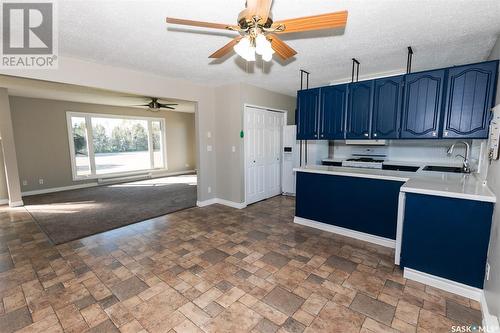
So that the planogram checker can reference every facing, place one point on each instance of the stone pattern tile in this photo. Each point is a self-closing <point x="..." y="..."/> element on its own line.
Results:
<point x="213" y="269"/>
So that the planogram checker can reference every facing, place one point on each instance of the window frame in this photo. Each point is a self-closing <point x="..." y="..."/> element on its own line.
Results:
<point x="90" y="144"/>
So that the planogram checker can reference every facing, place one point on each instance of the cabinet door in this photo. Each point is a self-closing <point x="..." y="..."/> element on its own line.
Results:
<point x="359" y="110"/>
<point x="307" y="114"/>
<point x="387" y="107"/>
<point x="469" y="98"/>
<point x="422" y="104"/>
<point x="332" y="116"/>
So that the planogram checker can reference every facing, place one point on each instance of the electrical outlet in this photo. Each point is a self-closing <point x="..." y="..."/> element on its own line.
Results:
<point x="234" y="149"/>
<point x="209" y="189"/>
<point x="25" y="182"/>
<point x="209" y="135"/>
<point x="40" y="181"/>
<point x="209" y="148"/>
<point x="487" y="273"/>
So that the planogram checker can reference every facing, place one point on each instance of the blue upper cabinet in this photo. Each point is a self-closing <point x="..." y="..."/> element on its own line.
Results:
<point x="469" y="97"/>
<point x="387" y="101"/>
<point x="332" y="112"/>
<point x="422" y="104"/>
<point x="359" y="109"/>
<point x="308" y="114"/>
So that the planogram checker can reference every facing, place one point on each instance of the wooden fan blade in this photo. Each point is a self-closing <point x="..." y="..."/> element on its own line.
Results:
<point x="226" y="48"/>
<point x="260" y="8"/>
<point x="281" y="48"/>
<point x="202" y="24"/>
<point x="316" y="22"/>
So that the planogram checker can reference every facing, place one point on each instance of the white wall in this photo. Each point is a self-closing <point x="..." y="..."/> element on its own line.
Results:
<point x="492" y="286"/>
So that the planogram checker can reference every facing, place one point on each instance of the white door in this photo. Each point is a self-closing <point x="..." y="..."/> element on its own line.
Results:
<point x="255" y="157"/>
<point x="274" y="125"/>
<point x="263" y="130"/>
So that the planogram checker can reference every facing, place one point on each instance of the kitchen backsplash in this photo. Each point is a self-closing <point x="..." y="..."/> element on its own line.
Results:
<point x="434" y="151"/>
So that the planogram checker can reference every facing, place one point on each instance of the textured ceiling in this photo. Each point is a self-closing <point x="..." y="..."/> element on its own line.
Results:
<point x="134" y="34"/>
<point x="66" y="92"/>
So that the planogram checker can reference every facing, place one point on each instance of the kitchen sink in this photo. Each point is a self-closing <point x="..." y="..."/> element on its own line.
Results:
<point x="443" y="168"/>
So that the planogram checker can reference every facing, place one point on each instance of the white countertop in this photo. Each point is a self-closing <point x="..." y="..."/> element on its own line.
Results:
<point x="446" y="184"/>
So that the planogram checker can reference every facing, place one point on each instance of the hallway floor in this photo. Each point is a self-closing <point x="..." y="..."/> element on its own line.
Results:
<point x="213" y="269"/>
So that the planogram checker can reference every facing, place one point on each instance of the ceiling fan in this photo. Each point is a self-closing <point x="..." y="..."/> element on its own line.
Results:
<point x="155" y="106"/>
<point x="258" y="33"/>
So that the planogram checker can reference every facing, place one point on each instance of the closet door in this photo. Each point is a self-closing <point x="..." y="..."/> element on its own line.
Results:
<point x="274" y="125"/>
<point x="263" y="142"/>
<point x="255" y="155"/>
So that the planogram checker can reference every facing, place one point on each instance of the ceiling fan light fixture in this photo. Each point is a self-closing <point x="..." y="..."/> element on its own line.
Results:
<point x="245" y="49"/>
<point x="268" y="56"/>
<point x="262" y="45"/>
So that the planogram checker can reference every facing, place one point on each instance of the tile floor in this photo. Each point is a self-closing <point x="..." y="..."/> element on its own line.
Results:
<point x="212" y="269"/>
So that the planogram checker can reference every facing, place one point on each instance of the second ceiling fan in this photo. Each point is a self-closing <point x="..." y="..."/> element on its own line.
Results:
<point x="258" y="33"/>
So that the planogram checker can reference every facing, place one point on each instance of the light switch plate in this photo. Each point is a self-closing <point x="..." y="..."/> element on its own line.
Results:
<point x="209" y="147"/>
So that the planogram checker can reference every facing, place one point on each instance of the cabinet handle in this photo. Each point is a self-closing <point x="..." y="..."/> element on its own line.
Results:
<point x="375" y="134"/>
<point x="434" y="134"/>
<point x="446" y="133"/>
<point x="366" y="134"/>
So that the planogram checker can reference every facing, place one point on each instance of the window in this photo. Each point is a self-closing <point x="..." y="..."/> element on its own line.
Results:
<point x="108" y="145"/>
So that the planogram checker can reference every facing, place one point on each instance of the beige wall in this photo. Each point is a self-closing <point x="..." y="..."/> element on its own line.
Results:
<point x="4" y="195"/>
<point x="41" y="137"/>
<point x="230" y="101"/>
<point x="492" y="286"/>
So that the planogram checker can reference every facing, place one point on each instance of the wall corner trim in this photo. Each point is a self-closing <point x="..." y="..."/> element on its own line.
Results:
<point x="237" y="205"/>
<point x="391" y="243"/>
<point x="489" y="321"/>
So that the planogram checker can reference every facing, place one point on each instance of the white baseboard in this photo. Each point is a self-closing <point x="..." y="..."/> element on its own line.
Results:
<point x="237" y="205"/>
<point x="4" y="201"/>
<point x="489" y="321"/>
<point x="59" y="189"/>
<point x="346" y="232"/>
<point x="16" y="203"/>
<point x="206" y="202"/>
<point x="444" y="284"/>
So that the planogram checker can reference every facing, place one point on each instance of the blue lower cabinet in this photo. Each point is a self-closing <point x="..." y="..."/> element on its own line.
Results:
<point x="360" y="204"/>
<point x="447" y="237"/>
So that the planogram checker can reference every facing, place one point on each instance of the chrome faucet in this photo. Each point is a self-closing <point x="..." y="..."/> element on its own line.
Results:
<point x="465" y="166"/>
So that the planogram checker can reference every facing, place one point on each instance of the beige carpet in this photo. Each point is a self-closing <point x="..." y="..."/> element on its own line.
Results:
<point x="70" y="215"/>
